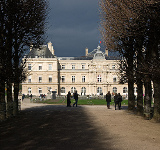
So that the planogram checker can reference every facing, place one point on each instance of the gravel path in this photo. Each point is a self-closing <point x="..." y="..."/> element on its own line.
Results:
<point x="57" y="127"/>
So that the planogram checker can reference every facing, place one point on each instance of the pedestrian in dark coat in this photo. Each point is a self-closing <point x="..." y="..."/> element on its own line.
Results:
<point x="76" y="98"/>
<point x="108" y="99"/>
<point x="69" y="99"/>
<point x="116" y="100"/>
<point x="23" y="96"/>
<point x="119" y="98"/>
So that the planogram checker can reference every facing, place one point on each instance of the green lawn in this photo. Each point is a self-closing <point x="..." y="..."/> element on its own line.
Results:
<point x="80" y="102"/>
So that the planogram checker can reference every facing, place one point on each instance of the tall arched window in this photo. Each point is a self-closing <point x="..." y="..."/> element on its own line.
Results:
<point x="29" y="90"/>
<point x="83" y="91"/>
<point x="99" y="90"/>
<point x="125" y="90"/>
<point x="114" y="90"/>
<point x="63" y="91"/>
<point x="73" y="89"/>
<point x="99" y="79"/>
<point x="40" y="90"/>
<point x="29" y="79"/>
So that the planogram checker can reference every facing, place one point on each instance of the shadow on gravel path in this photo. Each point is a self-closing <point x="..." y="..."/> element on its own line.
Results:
<point x="52" y="127"/>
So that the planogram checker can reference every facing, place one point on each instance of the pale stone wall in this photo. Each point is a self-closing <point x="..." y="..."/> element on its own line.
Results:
<point x="45" y="73"/>
<point x="106" y="69"/>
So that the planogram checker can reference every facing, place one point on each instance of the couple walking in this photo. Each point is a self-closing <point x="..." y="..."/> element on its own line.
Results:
<point x="117" y="100"/>
<point x="69" y="99"/>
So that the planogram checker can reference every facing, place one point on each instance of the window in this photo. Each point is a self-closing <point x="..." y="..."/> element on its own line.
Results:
<point x="29" y="66"/>
<point x="83" y="91"/>
<point x="40" y="67"/>
<point x="73" y="89"/>
<point x="63" y="90"/>
<point x="83" y="66"/>
<point x="73" y="78"/>
<point x="63" y="78"/>
<point x="99" y="79"/>
<point x="83" y="78"/>
<point x="40" y="90"/>
<point x="113" y="66"/>
<point x="125" y="90"/>
<point x="50" y="67"/>
<point x="29" y="79"/>
<point x="29" y="90"/>
<point x="114" y="90"/>
<point x="63" y="66"/>
<point x="99" y="90"/>
<point x="73" y="66"/>
<point x="50" y="79"/>
<point x="114" y="79"/>
<point x="40" y="79"/>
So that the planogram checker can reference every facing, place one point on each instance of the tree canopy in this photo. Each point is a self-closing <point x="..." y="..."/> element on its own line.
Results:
<point x="132" y="28"/>
<point x="22" y="23"/>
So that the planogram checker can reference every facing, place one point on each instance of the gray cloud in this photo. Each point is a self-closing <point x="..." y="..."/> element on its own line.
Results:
<point x="73" y="26"/>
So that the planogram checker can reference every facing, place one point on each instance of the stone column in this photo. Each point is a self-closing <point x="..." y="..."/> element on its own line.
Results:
<point x="86" y="51"/>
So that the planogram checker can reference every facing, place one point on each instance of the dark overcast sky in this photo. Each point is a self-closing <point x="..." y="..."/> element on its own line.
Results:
<point x="73" y="26"/>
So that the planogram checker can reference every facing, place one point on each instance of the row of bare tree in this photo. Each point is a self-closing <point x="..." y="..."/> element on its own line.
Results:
<point x="131" y="27"/>
<point x="22" y="22"/>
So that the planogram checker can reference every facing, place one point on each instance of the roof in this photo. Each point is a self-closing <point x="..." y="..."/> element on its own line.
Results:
<point x="41" y="52"/>
<point x="44" y="52"/>
<point x="95" y="54"/>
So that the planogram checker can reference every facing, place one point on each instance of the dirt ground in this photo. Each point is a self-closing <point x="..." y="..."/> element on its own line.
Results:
<point x="57" y="127"/>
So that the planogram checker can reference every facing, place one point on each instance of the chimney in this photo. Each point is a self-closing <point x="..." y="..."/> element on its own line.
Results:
<point x="86" y="50"/>
<point x="31" y="46"/>
<point x="106" y="51"/>
<point x="50" y="47"/>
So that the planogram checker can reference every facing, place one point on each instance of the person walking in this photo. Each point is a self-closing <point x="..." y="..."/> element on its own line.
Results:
<point x="119" y="98"/>
<point x="76" y="98"/>
<point x="23" y="96"/>
<point x="108" y="99"/>
<point x="69" y="99"/>
<point x="116" y="100"/>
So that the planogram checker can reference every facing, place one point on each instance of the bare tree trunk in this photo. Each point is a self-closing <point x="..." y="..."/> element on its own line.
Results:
<point x="148" y="97"/>
<point x="139" y="97"/>
<point x="139" y="77"/>
<point x="130" y="76"/>
<point x="131" y="98"/>
<point x="17" y="75"/>
<point x="9" y="73"/>
<point x="2" y="100"/>
<point x="2" y="64"/>
<point x="9" y="100"/>
<point x="156" y="84"/>
<point x="15" y="103"/>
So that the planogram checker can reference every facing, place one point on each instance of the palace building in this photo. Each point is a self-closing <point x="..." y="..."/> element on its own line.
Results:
<point x="96" y="73"/>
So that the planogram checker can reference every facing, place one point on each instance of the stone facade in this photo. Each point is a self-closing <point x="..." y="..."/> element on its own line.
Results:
<point x="93" y="74"/>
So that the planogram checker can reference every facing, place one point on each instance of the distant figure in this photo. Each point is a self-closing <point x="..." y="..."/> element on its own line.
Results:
<point x="23" y="96"/>
<point x="116" y="100"/>
<point x="69" y="99"/>
<point x="108" y="99"/>
<point x="119" y="98"/>
<point x="76" y="98"/>
<point x="31" y="96"/>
